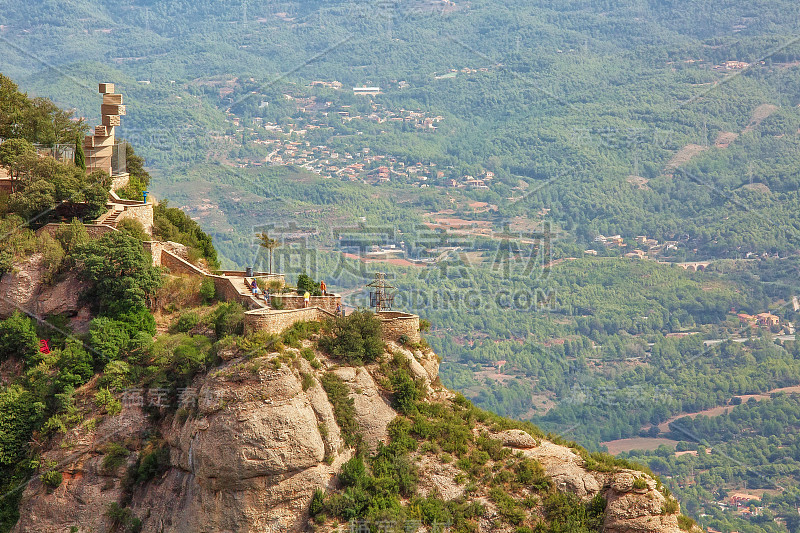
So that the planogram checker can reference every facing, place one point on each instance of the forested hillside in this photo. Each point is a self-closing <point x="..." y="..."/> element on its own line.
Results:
<point x="580" y="97"/>
<point x="673" y="121"/>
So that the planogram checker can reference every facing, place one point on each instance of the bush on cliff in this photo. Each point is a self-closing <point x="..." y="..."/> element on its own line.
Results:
<point x="121" y="273"/>
<point x="228" y="319"/>
<point x="18" y="338"/>
<point x="355" y="339"/>
<point x="172" y="224"/>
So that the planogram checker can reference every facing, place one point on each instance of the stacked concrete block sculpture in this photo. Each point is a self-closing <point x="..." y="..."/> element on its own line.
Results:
<point x="99" y="147"/>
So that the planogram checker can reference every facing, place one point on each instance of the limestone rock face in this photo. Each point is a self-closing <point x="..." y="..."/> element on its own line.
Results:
<point x="516" y="438"/>
<point x="177" y="248"/>
<point x="24" y="289"/>
<point x="87" y="488"/>
<point x="270" y="425"/>
<point x="20" y="285"/>
<point x="565" y="468"/>
<point x="424" y="365"/>
<point x="636" y="511"/>
<point x="372" y="411"/>
<point x="247" y="459"/>
<point x="247" y="452"/>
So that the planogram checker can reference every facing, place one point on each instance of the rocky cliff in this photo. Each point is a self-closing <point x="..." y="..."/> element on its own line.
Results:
<point x="258" y="436"/>
<point x="24" y="289"/>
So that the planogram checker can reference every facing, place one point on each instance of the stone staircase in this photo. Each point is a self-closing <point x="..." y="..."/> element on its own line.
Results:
<point x="242" y="285"/>
<point x="113" y="217"/>
<point x="116" y="206"/>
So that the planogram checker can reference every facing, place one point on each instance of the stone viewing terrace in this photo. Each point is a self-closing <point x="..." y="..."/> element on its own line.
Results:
<point x="396" y="324"/>
<point x="289" y="308"/>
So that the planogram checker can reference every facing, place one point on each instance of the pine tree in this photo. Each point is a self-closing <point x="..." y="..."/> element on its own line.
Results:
<point x="80" y="159"/>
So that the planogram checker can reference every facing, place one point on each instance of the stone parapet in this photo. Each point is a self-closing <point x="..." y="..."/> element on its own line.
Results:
<point x="179" y="265"/>
<point x="275" y="322"/>
<point x="260" y="275"/>
<point x="295" y="301"/>
<point x="395" y="324"/>
<point x="141" y="212"/>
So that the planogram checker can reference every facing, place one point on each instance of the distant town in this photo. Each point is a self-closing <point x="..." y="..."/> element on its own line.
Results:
<point x="304" y="139"/>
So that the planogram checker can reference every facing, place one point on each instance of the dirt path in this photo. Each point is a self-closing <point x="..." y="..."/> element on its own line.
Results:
<point x="651" y="443"/>
<point x="724" y="409"/>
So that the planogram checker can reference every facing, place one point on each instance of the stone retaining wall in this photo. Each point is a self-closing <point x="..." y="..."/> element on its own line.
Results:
<point x="259" y="275"/>
<point x="275" y="322"/>
<point x="154" y="248"/>
<point x="395" y="324"/>
<point x="179" y="265"/>
<point x="227" y="292"/>
<point x="120" y="181"/>
<point x="95" y="231"/>
<point x="157" y="249"/>
<point x="142" y="212"/>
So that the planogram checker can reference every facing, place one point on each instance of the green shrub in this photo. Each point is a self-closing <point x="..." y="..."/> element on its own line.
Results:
<point x="639" y="483"/>
<point x="307" y="380"/>
<point x="121" y="274"/>
<point x="305" y="283"/>
<point x="355" y="338"/>
<point x="138" y="321"/>
<point x="393" y="472"/>
<point x="299" y="331"/>
<point x="685" y="523"/>
<point x="122" y="518"/>
<point x="18" y="338"/>
<point x="399" y="431"/>
<point x="114" y="456"/>
<point x="531" y="473"/>
<point x="670" y="506"/>
<point x="190" y="355"/>
<point x="185" y="322"/>
<point x="134" y="228"/>
<point x="343" y="409"/>
<point x="115" y="375"/>
<point x="228" y="319"/>
<point x="567" y="514"/>
<point x="107" y="338"/>
<point x="52" y="479"/>
<point x="208" y="291"/>
<point x="172" y="224"/>
<point x="493" y="447"/>
<point x="107" y="402"/>
<point x="72" y="235"/>
<point x="75" y="365"/>
<point x="152" y="463"/>
<point x="507" y="507"/>
<point x="353" y="472"/>
<point x="407" y="392"/>
<point x="308" y="355"/>
<point x="52" y="256"/>
<point x="317" y="503"/>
